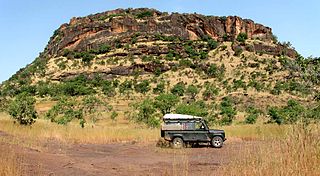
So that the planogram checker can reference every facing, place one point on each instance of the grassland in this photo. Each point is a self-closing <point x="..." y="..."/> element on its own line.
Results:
<point x="275" y="149"/>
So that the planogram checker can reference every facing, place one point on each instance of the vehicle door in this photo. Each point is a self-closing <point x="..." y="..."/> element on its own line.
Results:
<point x="201" y="132"/>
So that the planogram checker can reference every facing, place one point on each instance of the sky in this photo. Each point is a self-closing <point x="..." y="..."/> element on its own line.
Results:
<point x="27" y="25"/>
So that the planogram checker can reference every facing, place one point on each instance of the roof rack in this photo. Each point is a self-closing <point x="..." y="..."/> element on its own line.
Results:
<point x="180" y="117"/>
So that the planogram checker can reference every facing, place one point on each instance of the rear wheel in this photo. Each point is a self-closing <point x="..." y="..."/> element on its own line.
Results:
<point x="177" y="143"/>
<point x="217" y="142"/>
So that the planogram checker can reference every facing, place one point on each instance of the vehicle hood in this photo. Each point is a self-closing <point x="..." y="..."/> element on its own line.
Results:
<point x="214" y="131"/>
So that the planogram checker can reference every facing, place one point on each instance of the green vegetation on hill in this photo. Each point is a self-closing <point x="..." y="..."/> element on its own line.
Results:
<point x="243" y="80"/>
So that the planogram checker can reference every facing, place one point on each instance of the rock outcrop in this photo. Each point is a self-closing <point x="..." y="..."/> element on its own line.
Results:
<point x="122" y="24"/>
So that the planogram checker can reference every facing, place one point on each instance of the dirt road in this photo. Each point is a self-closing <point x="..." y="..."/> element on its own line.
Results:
<point x="56" y="158"/>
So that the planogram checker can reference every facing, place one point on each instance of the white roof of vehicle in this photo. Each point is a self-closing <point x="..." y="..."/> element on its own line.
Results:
<point x="179" y="116"/>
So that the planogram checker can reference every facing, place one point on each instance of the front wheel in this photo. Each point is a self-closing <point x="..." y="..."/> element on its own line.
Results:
<point x="217" y="142"/>
<point x="177" y="143"/>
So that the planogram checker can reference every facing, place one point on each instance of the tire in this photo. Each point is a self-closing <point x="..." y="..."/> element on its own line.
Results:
<point x="177" y="143"/>
<point x="217" y="142"/>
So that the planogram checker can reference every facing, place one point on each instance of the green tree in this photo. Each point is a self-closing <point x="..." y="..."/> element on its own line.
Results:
<point x="159" y="88"/>
<point x="146" y="113"/>
<point x="165" y="102"/>
<point x="142" y="87"/>
<point x="114" y="116"/>
<point x="192" y="91"/>
<point x="65" y="111"/>
<point x="22" y="109"/>
<point x="227" y="110"/>
<point x="196" y="109"/>
<point x="178" y="89"/>
<point x="242" y="37"/>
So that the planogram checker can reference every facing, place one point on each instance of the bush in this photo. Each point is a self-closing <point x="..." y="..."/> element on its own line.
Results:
<point x="146" y="113"/>
<point x="114" y="116"/>
<point x="159" y="88"/>
<point x="22" y="109"/>
<point x="108" y="89"/>
<point x="227" y="110"/>
<point x="215" y="71"/>
<point x="196" y="109"/>
<point x="65" y="111"/>
<point x="192" y="91"/>
<point x="125" y="87"/>
<point x="165" y="102"/>
<point x="143" y="87"/>
<point x="144" y="14"/>
<point x="253" y="114"/>
<point x="251" y="119"/>
<point x="237" y="51"/>
<point x="242" y="37"/>
<point x="178" y="89"/>
<point x="289" y="114"/>
<point x="210" y="92"/>
<point x="212" y="44"/>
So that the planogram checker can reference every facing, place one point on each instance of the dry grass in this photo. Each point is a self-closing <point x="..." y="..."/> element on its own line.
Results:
<point x="9" y="164"/>
<point x="104" y="133"/>
<point x="298" y="153"/>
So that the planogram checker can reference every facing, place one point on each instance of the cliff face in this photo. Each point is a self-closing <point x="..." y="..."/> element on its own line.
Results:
<point x="89" y="32"/>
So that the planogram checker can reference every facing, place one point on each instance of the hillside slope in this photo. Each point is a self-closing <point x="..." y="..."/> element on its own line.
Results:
<point x="136" y="54"/>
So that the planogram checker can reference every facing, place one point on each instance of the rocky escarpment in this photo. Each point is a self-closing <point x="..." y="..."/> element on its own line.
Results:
<point x="122" y="24"/>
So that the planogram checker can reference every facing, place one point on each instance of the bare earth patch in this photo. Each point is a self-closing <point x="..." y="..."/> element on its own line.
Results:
<point x="56" y="158"/>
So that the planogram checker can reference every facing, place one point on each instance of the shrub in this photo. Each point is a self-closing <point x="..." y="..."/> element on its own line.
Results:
<point x="144" y="14"/>
<point x="212" y="44"/>
<point x="159" y="88"/>
<point x="22" y="109"/>
<point x="114" y="116"/>
<point x="196" y="109"/>
<point x="242" y="37"/>
<point x="227" y="110"/>
<point x="210" y="92"/>
<point x="287" y="115"/>
<point x="108" y="89"/>
<point x="178" y="89"/>
<point x="65" y="111"/>
<point x="237" y="51"/>
<point x="165" y="102"/>
<point x="215" y="71"/>
<point x="142" y="87"/>
<point x="126" y="87"/>
<point x="251" y="119"/>
<point x="146" y="113"/>
<point x="192" y="91"/>
<point x="253" y="114"/>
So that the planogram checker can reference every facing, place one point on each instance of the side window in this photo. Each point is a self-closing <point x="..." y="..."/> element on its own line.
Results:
<point x="189" y="126"/>
<point x="200" y="126"/>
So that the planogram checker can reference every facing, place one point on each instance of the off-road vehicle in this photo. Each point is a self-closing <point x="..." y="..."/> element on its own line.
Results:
<point x="186" y="129"/>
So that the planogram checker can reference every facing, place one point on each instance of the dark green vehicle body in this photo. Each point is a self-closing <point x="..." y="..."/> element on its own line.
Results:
<point x="190" y="129"/>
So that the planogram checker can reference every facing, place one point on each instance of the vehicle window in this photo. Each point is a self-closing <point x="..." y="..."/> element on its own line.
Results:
<point x="200" y="126"/>
<point x="189" y="126"/>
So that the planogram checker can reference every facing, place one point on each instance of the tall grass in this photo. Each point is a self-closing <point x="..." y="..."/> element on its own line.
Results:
<point x="103" y="133"/>
<point x="9" y="163"/>
<point x="296" y="154"/>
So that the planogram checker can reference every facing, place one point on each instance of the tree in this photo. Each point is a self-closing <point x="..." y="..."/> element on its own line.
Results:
<point x="142" y="87"/>
<point x="178" y="89"/>
<point x="227" y="110"/>
<point x="22" y="109"/>
<point x="146" y="113"/>
<point x="160" y="88"/>
<point x="65" y="111"/>
<point x="165" y="102"/>
<point x="242" y="37"/>
<point x="192" y="91"/>
<point x="196" y="109"/>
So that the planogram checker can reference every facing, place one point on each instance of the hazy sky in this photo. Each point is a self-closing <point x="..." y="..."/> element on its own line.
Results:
<point x="27" y="25"/>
